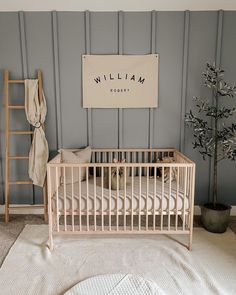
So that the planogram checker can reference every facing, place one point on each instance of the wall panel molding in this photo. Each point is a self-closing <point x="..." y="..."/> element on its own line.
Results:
<point x="184" y="79"/>
<point x="137" y="40"/>
<point x="120" y="51"/>
<point x="24" y="60"/>
<point x="57" y="79"/>
<point x="88" y="50"/>
<point x="25" y="72"/>
<point x="153" y="50"/>
<point x="219" y="36"/>
<point x="202" y="48"/>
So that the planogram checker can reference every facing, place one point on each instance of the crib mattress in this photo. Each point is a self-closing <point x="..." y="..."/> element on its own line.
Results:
<point x="139" y="201"/>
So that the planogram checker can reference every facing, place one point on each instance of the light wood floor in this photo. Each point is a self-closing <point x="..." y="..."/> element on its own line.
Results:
<point x="9" y="232"/>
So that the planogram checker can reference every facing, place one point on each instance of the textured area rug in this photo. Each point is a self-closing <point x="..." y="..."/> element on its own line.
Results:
<point x="30" y="267"/>
<point x="10" y="231"/>
<point x="116" y="284"/>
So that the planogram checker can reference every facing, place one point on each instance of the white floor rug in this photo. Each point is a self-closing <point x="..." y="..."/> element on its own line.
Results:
<point x="30" y="268"/>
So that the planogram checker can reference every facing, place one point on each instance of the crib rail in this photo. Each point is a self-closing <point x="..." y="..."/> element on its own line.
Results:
<point x="135" y="155"/>
<point x="82" y="197"/>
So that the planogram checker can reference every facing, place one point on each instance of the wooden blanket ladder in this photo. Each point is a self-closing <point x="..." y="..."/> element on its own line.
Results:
<point x="8" y="132"/>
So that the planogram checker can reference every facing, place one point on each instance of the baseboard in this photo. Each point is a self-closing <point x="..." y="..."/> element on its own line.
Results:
<point x="197" y="211"/>
<point x="36" y="211"/>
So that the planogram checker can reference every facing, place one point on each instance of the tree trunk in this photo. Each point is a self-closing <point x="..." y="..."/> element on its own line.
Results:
<point x="215" y="176"/>
<point x="215" y="151"/>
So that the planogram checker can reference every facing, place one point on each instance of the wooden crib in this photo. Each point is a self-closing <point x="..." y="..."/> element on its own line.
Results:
<point x="145" y="205"/>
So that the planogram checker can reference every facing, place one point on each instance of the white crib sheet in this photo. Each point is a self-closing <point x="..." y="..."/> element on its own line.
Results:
<point x="130" y="202"/>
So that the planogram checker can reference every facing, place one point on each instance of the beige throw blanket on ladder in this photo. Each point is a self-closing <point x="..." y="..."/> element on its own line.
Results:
<point x="36" y="114"/>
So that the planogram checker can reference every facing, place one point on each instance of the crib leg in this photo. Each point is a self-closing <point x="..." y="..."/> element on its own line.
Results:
<point x="50" y="242"/>
<point x="190" y="242"/>
<point x="50" y="230"/>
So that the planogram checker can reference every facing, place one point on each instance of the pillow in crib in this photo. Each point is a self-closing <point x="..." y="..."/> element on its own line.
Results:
<point x="75" y="157"/>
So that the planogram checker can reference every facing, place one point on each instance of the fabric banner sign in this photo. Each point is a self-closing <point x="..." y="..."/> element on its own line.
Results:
<point x="120" y="81"/>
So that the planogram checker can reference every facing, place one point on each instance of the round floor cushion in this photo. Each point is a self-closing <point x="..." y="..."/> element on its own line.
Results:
<point x="116" y="284"/>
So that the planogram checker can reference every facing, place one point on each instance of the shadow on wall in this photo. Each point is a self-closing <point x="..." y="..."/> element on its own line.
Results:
<point x="2" y="133"/>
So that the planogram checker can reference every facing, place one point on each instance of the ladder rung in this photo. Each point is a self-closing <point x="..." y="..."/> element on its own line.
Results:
<point x="16" y="207"/>
<point x="21" y="132"/>
<point x="16" y="81"/>
<point x="20" y="182"/>
<point x="18" y="157"/>
<point x="16" y="107"/>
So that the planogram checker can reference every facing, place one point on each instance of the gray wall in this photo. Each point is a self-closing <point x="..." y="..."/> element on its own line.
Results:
<point x="55" y="41"/>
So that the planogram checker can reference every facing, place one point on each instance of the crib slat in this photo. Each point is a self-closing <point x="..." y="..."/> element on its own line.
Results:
<point x="102" y="182"/>
<point x="191" y="206"/>
<point x="169" y="199"/>
<point x="51" y="214"/>
<point x="132" y="194"/>
<point x="93" y="157"/>
<point x="117" y="199"/>
<point x="87" y="198"/>
<point x="122" y="156"/>
<point x="65" y="216"/>
<point x="162" y="194"/>
<point x="94" y="198"/>
<point x="150" y="162"/>
<point x="109" y="178"/>
<point x="142" y="160"/>
<point x="185" y="191"/>
<point x="127" y="159"/>
<point x="154" y="198"/>
<point x="147" y="197"/>
<point x="72" y="198"/>
<point x="57" y="200"/>
<point x="189" y="181"/>
<point x="140" y="192"/>
<point x="176" y="201"/>
<point x="137" y="160"/>
<point x="146" y="161"/>
<point x="125" y="199"/>
<point x="79" y="183"/>
<point x="189" y="195"/>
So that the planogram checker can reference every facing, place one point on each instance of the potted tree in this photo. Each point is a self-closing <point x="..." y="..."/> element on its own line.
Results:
<point x="214" y="139"/>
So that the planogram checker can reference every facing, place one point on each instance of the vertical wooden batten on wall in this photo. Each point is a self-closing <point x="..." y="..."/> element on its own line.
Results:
<point x="120" y="51"/>
<point x="153" y="50"/>
<point x="24" y="62"/>
<point x="219" y="35"/>
<point x="57" y="79"/>
<point x="184" y="79"/>
<point x="23" y="45"/>
<point x="88" y="51"/>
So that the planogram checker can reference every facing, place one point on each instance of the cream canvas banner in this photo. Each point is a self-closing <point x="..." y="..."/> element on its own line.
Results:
<point x="120" y="81"/>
